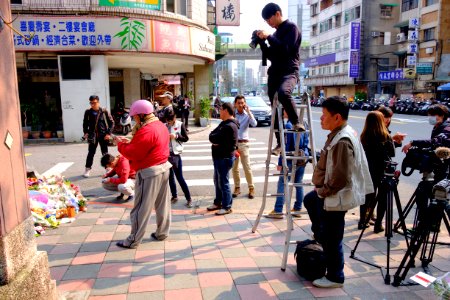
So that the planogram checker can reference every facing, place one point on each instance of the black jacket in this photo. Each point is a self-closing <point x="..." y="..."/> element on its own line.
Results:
<point x="105" y="122"/>
<point x="284" y="50"/>
<point x="377" y="153"/>
<point x="224" y="139"/>
<point x="440" y="137"/>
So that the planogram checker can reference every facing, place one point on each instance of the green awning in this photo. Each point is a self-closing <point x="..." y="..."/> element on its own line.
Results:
<point x="399" y="53"/>
<point x="402" y="24"/>
<point x="390" y="4"/>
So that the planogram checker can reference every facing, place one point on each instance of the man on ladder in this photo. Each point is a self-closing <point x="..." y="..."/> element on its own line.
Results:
<point x="284" y="56"/>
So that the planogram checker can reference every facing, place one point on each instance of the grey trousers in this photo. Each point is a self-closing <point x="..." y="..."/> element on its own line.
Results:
<point x="151" y="190"/>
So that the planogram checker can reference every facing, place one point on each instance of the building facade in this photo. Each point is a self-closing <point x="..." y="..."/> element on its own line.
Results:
<point x="347" y="47"/>
<point x="119" y="50"/>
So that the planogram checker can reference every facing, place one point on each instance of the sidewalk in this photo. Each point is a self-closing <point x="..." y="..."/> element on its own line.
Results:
<point x="211" y="257"/>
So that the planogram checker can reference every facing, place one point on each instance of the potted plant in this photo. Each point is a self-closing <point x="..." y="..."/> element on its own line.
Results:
<point x="205" y="108"/>
<point x="24" y="108"/>
<point x="46" y="130"/>
<point x="82" y="204"/>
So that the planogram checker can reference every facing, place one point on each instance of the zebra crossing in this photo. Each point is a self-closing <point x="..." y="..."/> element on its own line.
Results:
<point x="198" y="168"/>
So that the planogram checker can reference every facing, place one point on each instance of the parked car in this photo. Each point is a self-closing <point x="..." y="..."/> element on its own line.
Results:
<point x="259" y="108"/>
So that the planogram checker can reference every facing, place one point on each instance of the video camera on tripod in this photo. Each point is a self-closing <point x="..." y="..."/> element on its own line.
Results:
<point x="425" y="160"/>
<point x="254" y="42"/>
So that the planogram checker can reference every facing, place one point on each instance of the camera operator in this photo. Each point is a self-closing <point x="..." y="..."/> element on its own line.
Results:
<point x="440" y="136"/>
<point x="283" y="53"/>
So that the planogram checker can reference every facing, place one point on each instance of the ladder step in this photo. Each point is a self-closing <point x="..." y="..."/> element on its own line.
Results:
<point x="279" y="174"/>
<point x="302" y="106"/>
<point x="301" y="184"/>
<point x="292" y="131"/>
<point x="275" y="195"/>
<point x="298" y="157"/>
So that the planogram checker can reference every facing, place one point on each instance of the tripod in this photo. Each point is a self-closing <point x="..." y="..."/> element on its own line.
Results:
<point x="426" y="234"/>
<point x="420" y="197"/>
<point x="387" y="191"/>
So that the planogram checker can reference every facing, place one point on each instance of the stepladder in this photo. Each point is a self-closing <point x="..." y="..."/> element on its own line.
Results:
<point x="291" y="160"/>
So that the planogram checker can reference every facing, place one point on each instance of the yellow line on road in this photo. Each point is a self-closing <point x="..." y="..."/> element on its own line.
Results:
<point x="27" y="154"/>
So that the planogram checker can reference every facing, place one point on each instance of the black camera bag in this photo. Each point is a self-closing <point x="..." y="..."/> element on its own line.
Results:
<point x="310" y="260"/>
<point x="423" y="160"/>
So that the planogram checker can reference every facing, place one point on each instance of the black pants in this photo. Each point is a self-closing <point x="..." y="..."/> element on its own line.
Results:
<point x="284" y="85"/>
<point x="185" y="117"/>
<point x="93" y="149"/>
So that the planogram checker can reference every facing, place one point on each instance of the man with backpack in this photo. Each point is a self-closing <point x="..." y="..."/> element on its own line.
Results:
<point x="97" y="126"/>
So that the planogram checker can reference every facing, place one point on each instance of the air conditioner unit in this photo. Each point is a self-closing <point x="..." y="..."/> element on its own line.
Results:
<point x="400" y="37"/>
<point x="375" y="34"/>
<point x="429" y="50"/>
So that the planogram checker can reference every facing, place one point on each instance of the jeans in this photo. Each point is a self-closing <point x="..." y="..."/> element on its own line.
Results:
<point x="298" y="190"/>
<point x="328" y="230"/>
<point x="284" y="85"/>
<point x="178" y="173"/>
<point x="222" y="167"/>
<point x="93" y="148"/>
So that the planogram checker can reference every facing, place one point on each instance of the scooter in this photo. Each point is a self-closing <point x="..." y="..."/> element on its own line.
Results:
<point x="122" y="121"/>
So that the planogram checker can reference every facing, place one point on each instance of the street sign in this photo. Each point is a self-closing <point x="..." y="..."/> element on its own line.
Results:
<point x="424" y="68"/>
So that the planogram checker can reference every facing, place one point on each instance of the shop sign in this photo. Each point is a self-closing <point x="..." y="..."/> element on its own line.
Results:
<point x="412" y="48"/>
<point x="413" y="35"/>
<point x="424" y="68"/>
<point x="144" y="4"/>
<point x="414" y="23"/>
<point x="203" y="43"/>
<point x="409" y="73"/>
<point x="320" y="60"/>
<point x="171" y="38"/>
<point x="391" y="75"/>
<point x="228" y="12"/>
<point x="355" y="37"/>
<point x="81" y="33"/>
<point x="411" y="60"/>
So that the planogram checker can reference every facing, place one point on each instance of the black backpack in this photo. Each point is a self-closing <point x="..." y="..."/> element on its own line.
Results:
<point x="310" y="260"/>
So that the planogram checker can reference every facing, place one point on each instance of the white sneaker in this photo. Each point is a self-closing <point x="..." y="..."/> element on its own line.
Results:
<point x="87" y="172"/>
<point x="325" y="283"/>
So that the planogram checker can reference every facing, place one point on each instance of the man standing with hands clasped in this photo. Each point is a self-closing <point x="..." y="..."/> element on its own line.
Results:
<point x="245" y="118"/>
<point x="284" y="54"/>
<point x="342" y="180"/>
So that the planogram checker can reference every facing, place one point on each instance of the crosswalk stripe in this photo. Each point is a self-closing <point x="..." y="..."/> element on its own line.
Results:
<point x="208" y="145"/>
<point x="209" y="150"/>
<point x="211" y="167"/>
<point x="208" y="157"/>
<point x="59" y="168"/>
<point x="208" y="142"/>
<point x="256" y="179"/>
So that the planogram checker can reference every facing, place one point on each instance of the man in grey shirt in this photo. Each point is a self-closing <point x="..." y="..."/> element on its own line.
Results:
<point x="245" y="118"/>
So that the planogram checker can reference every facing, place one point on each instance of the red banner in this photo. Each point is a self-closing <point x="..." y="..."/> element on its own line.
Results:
<point x="171" y="38"/>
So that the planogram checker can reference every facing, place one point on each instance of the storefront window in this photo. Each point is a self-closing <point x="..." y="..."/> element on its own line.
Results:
<point x="177" y="6"/>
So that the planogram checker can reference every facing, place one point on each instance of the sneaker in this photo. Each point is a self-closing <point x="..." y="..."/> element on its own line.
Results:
<point x="224" y="211"/>
<point x="251" y="193"/>
<point x="130" y="198"/>
<point x="87" y="172"/>
<point x="378" y="228"/>
<point x="189" y="204"/>
<point x="120" y="197"/>
<point x="325" y="283"/>
<point x="298" y="127"/>
<point x="237" y="191"/>
<point x="296" y="213"/>
<point x="275" y="215"/>
<point x="213" y="207"/>
<point x="174" y="199"/>
<point x="122" y="245"/>
<point x="276" y="151"/>
<point x="362" y="226"/>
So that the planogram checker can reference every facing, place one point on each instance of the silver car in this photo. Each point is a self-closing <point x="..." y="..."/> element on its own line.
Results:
<point x="259" y="108"/>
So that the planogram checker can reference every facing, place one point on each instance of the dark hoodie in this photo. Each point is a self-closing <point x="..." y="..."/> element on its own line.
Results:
<point x="224" y="139"/>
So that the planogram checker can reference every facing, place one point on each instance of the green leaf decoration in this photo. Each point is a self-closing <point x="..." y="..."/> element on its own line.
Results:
<point x="132" y="34"/>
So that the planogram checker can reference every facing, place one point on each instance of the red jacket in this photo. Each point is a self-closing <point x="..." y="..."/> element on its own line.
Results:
<point x="149" y="146"/>
<point x="122" y="170"/>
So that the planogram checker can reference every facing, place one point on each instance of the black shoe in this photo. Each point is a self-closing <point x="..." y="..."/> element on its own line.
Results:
<point x="362" y="226"/>
<point x="121" y="245"/>
<point x="189" y="204"/>
<point x="130" y="198"/>
<point x="174" y="199"/>
<point x="120" y="197"/>
<point x="158" y="238"/>
<point x="378" y="228"/>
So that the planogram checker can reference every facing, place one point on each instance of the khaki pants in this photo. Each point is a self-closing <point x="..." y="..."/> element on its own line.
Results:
<point x="244" y="151"/>
<point x="126" y="188"/>
<point x="152" y="190"/>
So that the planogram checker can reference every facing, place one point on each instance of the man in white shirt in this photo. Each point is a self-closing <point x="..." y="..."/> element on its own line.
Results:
<point x="245" y="118"/>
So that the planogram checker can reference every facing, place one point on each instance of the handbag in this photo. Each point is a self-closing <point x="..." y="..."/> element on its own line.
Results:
<point x="110" y="140"/>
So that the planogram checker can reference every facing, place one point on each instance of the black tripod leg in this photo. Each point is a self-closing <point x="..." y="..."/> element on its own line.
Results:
<point x="371" y="207"/>
<point x="388" y="231"/>
<point x="404" y="213"/>
<point x="400" y="221"/>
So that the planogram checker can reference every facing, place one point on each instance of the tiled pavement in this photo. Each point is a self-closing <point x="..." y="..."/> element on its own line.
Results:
<point x="210" y="257"/>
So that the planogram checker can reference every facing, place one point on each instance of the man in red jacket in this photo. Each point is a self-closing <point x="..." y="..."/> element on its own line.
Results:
<point x="120" y="177"/>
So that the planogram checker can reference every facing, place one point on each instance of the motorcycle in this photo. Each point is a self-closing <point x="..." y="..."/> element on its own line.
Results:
<point x="122" y="121"/>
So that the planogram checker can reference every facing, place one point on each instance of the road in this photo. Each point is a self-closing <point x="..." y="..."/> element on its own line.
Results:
<point x="197" y="165"/>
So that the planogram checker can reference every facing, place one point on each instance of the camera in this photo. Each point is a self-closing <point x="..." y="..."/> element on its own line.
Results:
<point x="255" y="40"/>
<point x="390" y="169"/>
<point x="423" y="160"/>
<point x="441" y="190"/>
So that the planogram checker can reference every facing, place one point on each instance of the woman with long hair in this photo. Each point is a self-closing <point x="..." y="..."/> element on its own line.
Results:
<point x="379" y="148"/>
